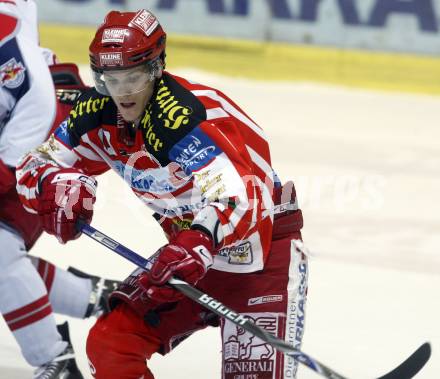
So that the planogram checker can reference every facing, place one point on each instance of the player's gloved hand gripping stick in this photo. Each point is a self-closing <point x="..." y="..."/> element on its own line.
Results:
<point x="408" y="369"/>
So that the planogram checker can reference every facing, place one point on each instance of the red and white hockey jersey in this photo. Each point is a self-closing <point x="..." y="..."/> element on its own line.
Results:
<point x="27" y="94"/>
<point x="27" y="105"/>
<point x="194" y="158"/>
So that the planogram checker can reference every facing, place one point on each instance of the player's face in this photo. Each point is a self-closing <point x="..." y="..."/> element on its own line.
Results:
<point x="133" y="106"/>
<point x="131" y="90"/>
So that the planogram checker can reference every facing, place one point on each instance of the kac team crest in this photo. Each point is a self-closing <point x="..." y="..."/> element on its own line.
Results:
<point x="12" y="74"/>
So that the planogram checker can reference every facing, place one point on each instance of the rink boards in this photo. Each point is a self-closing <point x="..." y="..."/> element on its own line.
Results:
<point x="272" y="61"/>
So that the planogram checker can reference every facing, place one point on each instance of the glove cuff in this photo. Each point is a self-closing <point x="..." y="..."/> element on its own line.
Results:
<point x="65" y="175"/>
<point x="198" y="244"/>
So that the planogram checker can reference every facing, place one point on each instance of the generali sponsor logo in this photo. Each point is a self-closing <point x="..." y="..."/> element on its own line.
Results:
<point x="114" y="35"/>
<point x="111" y="59"/>
<point x="145" y="21"/>
<point x="247" y="356"/>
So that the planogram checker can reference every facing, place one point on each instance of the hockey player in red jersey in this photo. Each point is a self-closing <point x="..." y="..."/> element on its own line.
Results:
<point x="203" y="166"/>
<point x="32" y="289"/>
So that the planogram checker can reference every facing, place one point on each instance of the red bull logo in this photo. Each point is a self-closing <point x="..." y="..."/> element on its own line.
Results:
<point x="12" y="74"/>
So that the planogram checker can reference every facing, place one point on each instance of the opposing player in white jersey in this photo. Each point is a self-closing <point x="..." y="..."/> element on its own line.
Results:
<point x="203" y="165"/>
<point x="31" y="289"/>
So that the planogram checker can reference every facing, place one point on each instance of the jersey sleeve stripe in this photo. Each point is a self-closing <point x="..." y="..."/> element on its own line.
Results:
<point x="30" y="210"/>
<point x="215" y="113"/>
<point x="28" y="193"/>
<point x="228" y="107"/>
<point x="260" y="162"/>
<point x="64" y="154"/>
<point x="267" y="201"/>
<point x="87" y="153"/>
<point x="85" y="138"/>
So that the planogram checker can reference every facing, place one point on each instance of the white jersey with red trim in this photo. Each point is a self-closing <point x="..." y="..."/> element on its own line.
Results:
<point x="27" y="95"/>
<point x="195" y="158"/>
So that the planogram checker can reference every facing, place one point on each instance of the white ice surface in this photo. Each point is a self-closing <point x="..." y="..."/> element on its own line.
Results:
<point x="367" y="169"/>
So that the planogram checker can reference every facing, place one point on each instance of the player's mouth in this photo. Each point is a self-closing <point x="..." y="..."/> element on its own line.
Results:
<point x="127" y="105"/>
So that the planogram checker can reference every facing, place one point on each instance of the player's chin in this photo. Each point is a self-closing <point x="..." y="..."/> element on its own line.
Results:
<point x="130" y="111"/>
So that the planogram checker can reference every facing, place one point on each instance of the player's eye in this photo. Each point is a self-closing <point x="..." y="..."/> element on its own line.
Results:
<point x="111" y="81"/>
<point x="133" y="79"/>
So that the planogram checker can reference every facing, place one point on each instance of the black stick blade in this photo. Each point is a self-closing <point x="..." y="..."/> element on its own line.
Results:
<point x="412" y="365"/>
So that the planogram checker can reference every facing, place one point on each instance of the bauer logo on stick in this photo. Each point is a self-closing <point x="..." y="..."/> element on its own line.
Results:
<point x="223" y="310"/>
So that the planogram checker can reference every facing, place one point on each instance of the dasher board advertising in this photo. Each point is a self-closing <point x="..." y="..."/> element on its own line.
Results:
<point x="388" y="25"/>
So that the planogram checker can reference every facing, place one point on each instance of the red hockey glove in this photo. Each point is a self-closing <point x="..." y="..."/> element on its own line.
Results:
<point x="66" y="196"/>
<point x="187" y="257"/>
<point x="7" y="178"/>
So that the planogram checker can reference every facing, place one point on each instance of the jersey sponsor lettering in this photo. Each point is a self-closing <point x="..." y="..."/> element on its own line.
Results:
<point x="295" y="319"/>
<point x="194" y="151"/>
<point x="182" y="209"/>
<point x="89" y="106"/>
<point x="62" y="133"/>
<point x="151" y="138"/>
<point x="141" y="180"/>
<point x="238" y="255"/>
<point x="172" y="113"/>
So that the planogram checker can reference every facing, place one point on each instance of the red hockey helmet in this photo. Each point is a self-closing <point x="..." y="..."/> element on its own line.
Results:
<point x="126" y="40"/>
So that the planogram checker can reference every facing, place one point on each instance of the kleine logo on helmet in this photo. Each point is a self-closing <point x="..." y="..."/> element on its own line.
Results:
<point x="145" y="21"/>
<point x="111" y="59"/>
<point x="113" y="35"/>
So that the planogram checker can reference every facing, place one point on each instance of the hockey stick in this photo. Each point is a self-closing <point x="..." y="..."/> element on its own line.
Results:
<point x="408" y="369"/>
